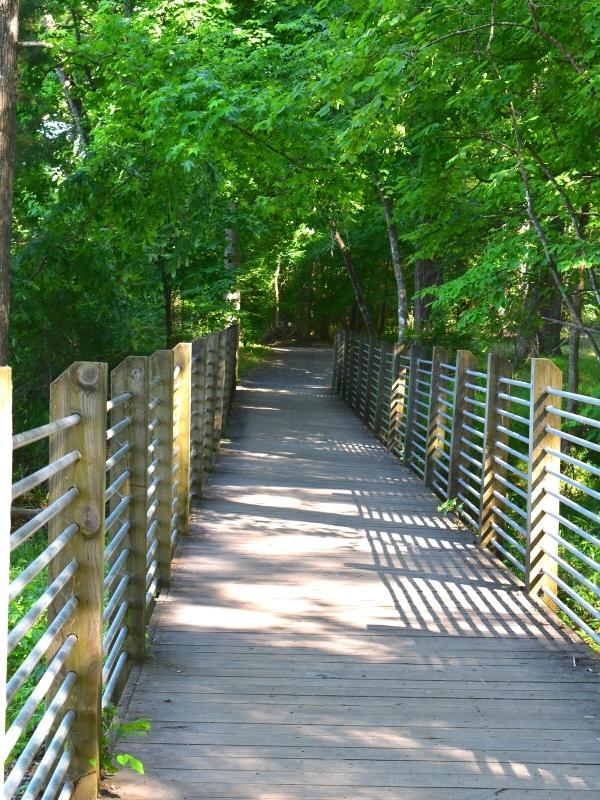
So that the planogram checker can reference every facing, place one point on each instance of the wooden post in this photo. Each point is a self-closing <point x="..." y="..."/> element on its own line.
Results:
<point x="498" y="367"/>
<point x="229" y="371"/>
<point x="5" y="501"/>
<point x="210" y="396"/>
<point x="384" y="349"/>
<point x="434" y="432"/>
<point x="397" y="400"/>
<point x="197" y="417"/>
<point x="540" y="525"/>
<point x="415" y="354"/>
<point x="236" y="355"/>
<point x="162" y="365"/>
<point x="82" y="389"/>
<point x="132" y="375"/>
<point x="358" y="376"/>
<point x="372" y="377"/>
<point x="233" y="342"/>
<point x="337" y="339"/>
<point x="220" y="395"/>
<point x="464" y="360"/>
<point x="182" y="389"/>
<point x="341" y="382"/>
<point x="348" y="381"/>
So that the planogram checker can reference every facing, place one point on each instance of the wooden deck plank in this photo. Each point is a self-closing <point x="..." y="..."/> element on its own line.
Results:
<point x="329" y="634"/>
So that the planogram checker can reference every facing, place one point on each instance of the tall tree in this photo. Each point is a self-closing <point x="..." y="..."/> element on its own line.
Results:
<point x="9" y="33"/>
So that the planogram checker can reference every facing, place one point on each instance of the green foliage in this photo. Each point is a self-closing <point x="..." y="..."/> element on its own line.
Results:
<point x="250" y="356"/>
<point x="112" y="730"/>
<point x="450" y="506"/>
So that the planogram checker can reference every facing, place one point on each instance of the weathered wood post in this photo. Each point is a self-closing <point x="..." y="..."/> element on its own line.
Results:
<point x="210" y="398"/>
<point x="542" y="528"/>
<point x="497" y="368"/>
<point x="384" y="351"/>
<point x="82" y="389"/>
<point x="230" y="360"/>
<point x="341" y="380"/>
<point x="349" y="377"/>
<point x="132" y="376"/>
<point x="5" y="501"/>
<point x="397" y="399"/>
<point x="182" y="391"/>
<point x="337" y="351"/>
<point x="434" y="432"/>
<point x="464" y="360"/>
<point x="219" y="418"/>
<point x="416" y="352"/>
<point x="358" y="375"/>
<point x="343" y="374"/>
<point x="162" y="367"/>
<point x="197" y="417"/>
<point x="371" y="377"/>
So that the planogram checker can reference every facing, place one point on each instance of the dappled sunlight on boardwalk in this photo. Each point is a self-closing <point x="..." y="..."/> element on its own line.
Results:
<point x="329" y="634"/>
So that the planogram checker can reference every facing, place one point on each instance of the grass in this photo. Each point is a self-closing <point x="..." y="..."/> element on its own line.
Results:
<point x="250" y="356"/>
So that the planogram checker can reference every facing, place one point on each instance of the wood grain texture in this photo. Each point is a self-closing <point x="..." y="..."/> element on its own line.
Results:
<point x="132" y="375"/>
<point x="5" y="501"/>
<point x="182" y="391"/>
<point x="162" y="365"/>
<point x="83" y="389"/>
<point x="328" y="634"/>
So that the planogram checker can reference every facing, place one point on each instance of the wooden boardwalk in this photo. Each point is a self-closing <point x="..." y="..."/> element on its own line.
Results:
<point x="330" y="635"/>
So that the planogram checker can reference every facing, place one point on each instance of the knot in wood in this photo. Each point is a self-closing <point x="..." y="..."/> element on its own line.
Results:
<point x="90" y="520"/>
<point x="87" y="376"/>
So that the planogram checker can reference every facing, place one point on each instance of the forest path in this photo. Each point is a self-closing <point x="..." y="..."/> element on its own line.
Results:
<point x="328" y="634"/>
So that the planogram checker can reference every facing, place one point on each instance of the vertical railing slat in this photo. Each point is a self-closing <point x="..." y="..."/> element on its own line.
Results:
<point x="415" y="353"/>
<point x="162" y="364"/>
<point x="434" y="432"/>
<point x="83" y="389"/>
<point x="464" y="360"/>
<point x="5" y="501"/>
<point x="541" y="527"/>
<point x="197" y="417"/>
<point x="182" y="390"/>
<point x="497" y="368"/>
<point x="132" y="376"/>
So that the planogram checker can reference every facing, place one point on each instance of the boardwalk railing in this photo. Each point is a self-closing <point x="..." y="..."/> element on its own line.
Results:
<point x="520" y="470"/>
<point x="126" y="457"/>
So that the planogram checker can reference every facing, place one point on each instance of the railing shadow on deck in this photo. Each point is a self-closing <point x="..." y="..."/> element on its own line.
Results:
<point x="255" y="654"/>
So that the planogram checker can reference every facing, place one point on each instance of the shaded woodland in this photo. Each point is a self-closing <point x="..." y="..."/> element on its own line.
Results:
<point x="415" y="170"/>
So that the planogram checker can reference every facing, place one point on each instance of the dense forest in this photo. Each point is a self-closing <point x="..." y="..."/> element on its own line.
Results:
<point x="415" y="170"/>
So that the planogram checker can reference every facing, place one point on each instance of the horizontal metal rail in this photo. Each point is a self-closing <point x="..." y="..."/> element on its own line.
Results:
<point x="118" y="401"/>
<point x="580" y="398"/>
<point x="44" y="431"/>
<point x="43" y="602"/>
<point x="33" y="525"/>
<point x="43" y="645"/>
<point x="39" y="563"/>
<point x="38" y="738"/>
<point x="594" y="423"/>
<point x="44" y="474"/>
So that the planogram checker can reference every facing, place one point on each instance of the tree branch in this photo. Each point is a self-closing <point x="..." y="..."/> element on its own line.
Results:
<point x="506" y="24"/>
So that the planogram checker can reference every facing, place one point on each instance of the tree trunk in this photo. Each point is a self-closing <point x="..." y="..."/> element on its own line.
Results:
<point x="526" y="343"/>
<point x="277" y="295"/>
<point x="232" y="260"/>
<point x="550" y="329"/>
<point x="427" y="274"/>
<point x="574" y="342"/>
<point x="9" y="32"/>
<point x="381" y="321"/>
<point x="392" y="233"/>
<point x="348" y="263"/>
<point x="167" y="287"/>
